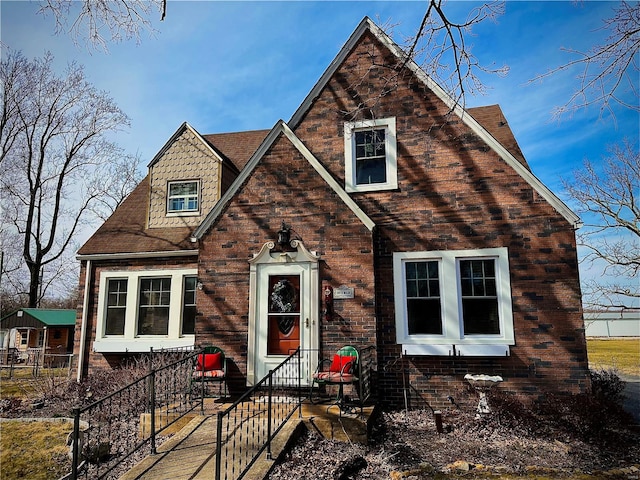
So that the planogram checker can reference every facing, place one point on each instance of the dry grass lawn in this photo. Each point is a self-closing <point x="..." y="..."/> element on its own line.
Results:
<point x="622" y="355"/>
<point x="34" y="450"/>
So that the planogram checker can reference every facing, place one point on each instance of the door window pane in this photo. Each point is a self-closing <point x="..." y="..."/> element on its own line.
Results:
<point x="284" y="314"/>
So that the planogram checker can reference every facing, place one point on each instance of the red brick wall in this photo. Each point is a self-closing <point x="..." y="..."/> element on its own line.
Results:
<point x="456" y="193"/>
<point x="283" y="186"/>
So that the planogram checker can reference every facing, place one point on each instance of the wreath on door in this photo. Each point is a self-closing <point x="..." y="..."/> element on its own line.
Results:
<point x="283" y="297"/>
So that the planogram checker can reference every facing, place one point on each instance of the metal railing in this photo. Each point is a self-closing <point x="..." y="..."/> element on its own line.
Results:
<point x="111" y="430"/>
<point x="245" y="429"/>
<point x="366" y="373"/>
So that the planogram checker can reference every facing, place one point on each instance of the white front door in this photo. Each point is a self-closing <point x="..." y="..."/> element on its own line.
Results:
<point x="283" y="312"/>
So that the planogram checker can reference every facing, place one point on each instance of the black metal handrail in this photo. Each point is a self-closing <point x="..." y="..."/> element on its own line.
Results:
<point x="246" y="428"/>
<point x="108" y="431"/>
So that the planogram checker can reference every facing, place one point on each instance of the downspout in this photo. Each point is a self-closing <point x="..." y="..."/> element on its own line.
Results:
<point x="83" y="328"/>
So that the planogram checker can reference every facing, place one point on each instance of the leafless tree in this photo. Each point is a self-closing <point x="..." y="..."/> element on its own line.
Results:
<point x="610" y="206"/>
<point x="103" y="21"/>
<point x="441" y="47"/>
<point x="609" y="71"/>
<point x="60" y="170"/>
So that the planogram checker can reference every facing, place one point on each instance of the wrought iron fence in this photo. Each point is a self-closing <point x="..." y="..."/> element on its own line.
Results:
<point x="246" y="428"/>
<point x="111" y="430"/>
<point x="367" y="371"/>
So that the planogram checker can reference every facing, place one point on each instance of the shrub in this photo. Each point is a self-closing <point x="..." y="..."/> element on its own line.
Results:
<point x="606" y="385"/>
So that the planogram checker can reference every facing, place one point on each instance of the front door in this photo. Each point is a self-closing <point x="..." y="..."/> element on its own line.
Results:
<point x="284" y="311"/>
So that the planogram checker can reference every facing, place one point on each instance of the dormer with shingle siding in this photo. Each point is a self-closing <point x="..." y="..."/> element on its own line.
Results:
<point x="185" y="180"/>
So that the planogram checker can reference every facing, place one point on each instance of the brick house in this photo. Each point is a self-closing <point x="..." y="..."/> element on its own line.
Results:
<point x="423" y="218"/>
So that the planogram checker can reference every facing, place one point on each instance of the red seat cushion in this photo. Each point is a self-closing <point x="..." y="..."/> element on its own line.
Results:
<point x="345" y="362"/>
<point x="209" y="361"/>
<point x="208" y="374"/>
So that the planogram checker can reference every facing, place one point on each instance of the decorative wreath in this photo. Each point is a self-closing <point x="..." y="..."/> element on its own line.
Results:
<point x="283" y="297"/>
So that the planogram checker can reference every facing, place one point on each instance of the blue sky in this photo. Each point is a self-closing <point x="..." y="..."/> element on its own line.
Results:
<point x="230" y="66"/>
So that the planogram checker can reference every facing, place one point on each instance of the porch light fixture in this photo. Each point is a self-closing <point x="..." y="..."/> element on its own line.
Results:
<point x="284" y="234"/>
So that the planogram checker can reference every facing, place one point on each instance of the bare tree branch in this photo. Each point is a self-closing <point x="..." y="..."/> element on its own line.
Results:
<point x="101" y="21"/>
<point x="609" y="203"/>
<point x="609" y="71"/>
<point x="441" y="49"/>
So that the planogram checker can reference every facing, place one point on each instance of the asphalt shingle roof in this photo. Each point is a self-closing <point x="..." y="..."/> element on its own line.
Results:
<point x="126" y="230"/>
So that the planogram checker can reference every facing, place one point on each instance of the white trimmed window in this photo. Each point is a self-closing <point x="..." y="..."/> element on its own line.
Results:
<point x="370" y="155"/>
<point x="116" y="306"/>
<point x="138" y="310"/>
<point x="189" y="306"/>
<point x="454" y="302"/>
<point x="183" y="197"/>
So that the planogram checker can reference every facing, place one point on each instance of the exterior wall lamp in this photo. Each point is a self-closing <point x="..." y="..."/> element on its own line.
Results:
<point x="284" y="234"/>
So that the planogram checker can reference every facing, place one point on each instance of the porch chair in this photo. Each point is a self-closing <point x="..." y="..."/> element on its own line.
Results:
<point x="343" y="369"/>
<point x="210" y="366"/>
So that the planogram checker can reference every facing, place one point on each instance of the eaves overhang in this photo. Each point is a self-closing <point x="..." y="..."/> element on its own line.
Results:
<point x="134" y="255"/>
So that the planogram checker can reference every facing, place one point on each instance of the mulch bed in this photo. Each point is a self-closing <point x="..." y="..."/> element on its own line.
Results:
<point x="407" y="445"/>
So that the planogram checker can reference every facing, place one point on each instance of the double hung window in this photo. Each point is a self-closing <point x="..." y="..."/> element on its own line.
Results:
<point x="453" y="302"/>
<point x="153" y="313"/>
<point x="116" y="306"/>
<point x="189" y="306"/>
<point x="370" y="155"/>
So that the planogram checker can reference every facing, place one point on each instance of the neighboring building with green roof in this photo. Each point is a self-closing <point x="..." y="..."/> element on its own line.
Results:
<point x="37" y="328"/>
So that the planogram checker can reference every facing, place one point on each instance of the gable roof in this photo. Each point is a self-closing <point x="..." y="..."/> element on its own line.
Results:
<point x="236" y="146"/>
<point x="494" y="121"/>
<point x="50" y="317"/>
<point x="367" y="25"/>
<point x="181" y="129"/>
<point x="280" y="128"/>
<point x="125" y="232"/>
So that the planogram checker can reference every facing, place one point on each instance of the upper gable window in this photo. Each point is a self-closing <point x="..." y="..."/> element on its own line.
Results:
<point x="183" y="197"/>
<point x="370" y="155"/>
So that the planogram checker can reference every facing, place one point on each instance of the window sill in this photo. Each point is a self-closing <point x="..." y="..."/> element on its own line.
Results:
<point x="450" y="350"/>
<point x="371" y="187"/>
<point x="187" y="213"/>
<point x="140" y="345"/>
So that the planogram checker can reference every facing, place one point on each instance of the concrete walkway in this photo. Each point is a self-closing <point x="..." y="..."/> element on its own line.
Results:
<point x="190" y="454"/>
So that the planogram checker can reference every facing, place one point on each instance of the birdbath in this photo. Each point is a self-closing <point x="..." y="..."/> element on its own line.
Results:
<point x="483" y="383"/>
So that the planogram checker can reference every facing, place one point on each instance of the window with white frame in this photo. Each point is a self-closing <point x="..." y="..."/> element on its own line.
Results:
<point x="138" y="310"/>
<point x="182" y="197"/>
<point x="454" y="302"/>
<point x="370" y="155"/>
<point x="153" y="306"/>
<point x="189" y="305"/>
<point x="116" y="306"/>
